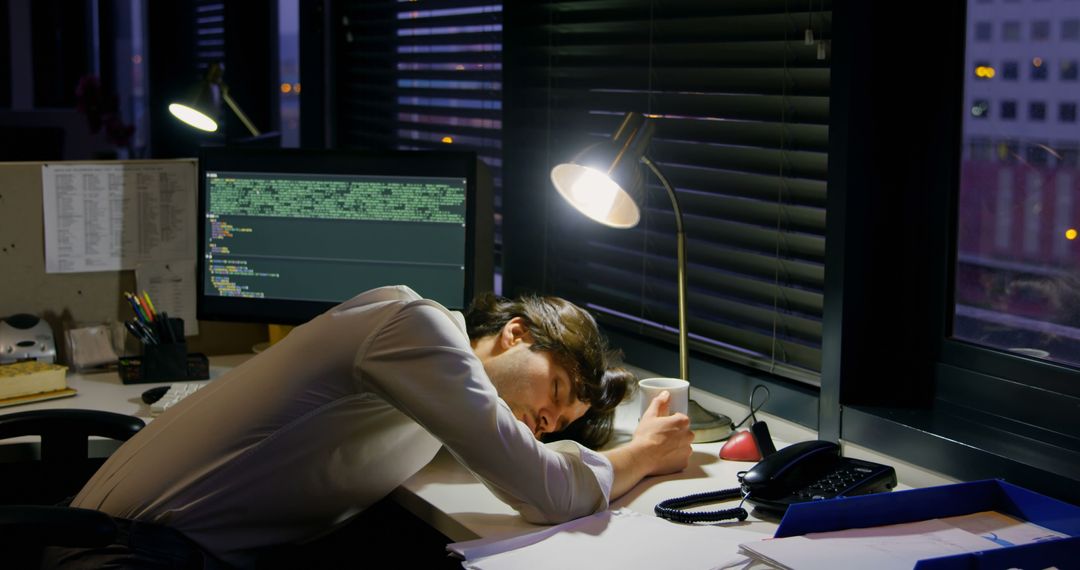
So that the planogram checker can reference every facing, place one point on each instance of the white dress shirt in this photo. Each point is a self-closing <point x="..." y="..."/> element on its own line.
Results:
<point x="328" y="421"/>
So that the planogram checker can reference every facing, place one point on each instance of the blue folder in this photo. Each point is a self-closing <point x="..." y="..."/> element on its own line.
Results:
<point x="946" y="501"/>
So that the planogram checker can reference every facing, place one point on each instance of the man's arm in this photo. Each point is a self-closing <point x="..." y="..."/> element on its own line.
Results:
<point x="661" y="445"/>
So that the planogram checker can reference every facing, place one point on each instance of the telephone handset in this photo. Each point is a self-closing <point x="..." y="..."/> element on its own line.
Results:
<point x="806" y="471"/>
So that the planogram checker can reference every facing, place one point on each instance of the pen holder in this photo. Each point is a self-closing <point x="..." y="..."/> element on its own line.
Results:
<point x="165" y="361"/>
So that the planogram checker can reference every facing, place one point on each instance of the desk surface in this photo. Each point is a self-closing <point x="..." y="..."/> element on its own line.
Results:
<point x="445" y="495"/>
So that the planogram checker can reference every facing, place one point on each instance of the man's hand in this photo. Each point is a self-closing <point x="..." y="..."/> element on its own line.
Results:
<point x="665" y="439"/>
<point x="661" y="445"/>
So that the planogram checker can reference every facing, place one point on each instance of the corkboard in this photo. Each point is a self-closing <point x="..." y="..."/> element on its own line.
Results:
<point x="68" y="300"/>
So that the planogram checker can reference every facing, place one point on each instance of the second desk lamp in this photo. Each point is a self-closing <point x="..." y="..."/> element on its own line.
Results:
<point x="605" y="182"/>
<point x="198" y="109"/>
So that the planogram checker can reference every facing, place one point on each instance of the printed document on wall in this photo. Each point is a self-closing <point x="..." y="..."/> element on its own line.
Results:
<point x="109" y="216"/>
<point x="171" y="286"/>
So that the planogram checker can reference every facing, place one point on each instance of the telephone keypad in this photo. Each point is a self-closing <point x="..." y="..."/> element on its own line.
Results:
<point x="833" y="483"/>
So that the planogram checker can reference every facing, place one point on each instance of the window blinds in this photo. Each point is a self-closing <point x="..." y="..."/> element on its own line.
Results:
<point x="422" y="75"/>
<point x="738" y="91"/>
<point x="209" y="48"/>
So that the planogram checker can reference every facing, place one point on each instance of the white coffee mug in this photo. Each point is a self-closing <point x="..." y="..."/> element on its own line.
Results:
<point x="679" y="389"/>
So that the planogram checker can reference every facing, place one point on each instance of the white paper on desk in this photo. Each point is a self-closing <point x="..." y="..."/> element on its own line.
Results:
<point x="1003" y="529"/>
<point x="108" y="217"/>
<point x="171" y="286"/>
<point x="890" y="547"/>
<point x="619" y="540"/>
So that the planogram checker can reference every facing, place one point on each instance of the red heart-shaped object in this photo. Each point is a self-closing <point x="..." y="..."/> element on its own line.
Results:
<point x="741" y="446"/>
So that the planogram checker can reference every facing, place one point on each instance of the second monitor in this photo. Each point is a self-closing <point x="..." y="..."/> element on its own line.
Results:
<point x="285" y="233"/>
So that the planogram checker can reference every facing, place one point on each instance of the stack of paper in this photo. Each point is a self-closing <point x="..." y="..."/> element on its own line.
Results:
<point x="619" y="540"/>
<point x="898" y="546"/>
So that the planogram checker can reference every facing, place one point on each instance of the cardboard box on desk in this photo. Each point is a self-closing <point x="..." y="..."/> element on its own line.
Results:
<point x="946" y="501"/>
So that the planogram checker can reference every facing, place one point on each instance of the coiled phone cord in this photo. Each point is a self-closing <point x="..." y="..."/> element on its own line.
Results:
<point x="671" y="509"/>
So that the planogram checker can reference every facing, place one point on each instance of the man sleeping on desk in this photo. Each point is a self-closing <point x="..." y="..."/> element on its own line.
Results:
<point x="325" y="423"/>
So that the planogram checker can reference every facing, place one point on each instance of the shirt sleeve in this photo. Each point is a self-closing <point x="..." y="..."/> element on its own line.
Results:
<point x="422" y="364"/>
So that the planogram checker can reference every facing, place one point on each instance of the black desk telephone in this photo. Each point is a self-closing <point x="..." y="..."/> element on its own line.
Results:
<point x="807" y="471"/>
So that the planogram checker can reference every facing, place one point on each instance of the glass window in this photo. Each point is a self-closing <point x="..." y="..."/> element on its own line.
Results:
<point x="980" y="149"/>
<point x="1037" y="111"/>
<point x="1010" y="71"/>
<point x="1010" y="31"/>
<point x="289" y="70"/>
<point x="1067" y="112"/>
<point x="1039" y="154"/>
<point x="1068" y="70"/>
<point x="1008" y="151"/>
<point x="984" y="31"/>
<point x="983" y="71"/>
<point x="1068" y="155"/>
<point x="980" y="108"/>
<point x="1008" y="110"/>
<point x="1070" y="29"/>
<point x="1017" y="273"/>
<point x="1040" y="30"/>
<point x="1039" y="69"/>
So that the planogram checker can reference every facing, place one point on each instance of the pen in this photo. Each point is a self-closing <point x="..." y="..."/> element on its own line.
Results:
<point x="145" y="308"/>
<point x="148" y="332"/>
<point x="139" y="333"/>
<point x="136" y="307"/>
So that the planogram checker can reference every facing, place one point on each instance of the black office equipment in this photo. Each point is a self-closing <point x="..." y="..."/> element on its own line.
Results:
<point x="802" y="472"/>
<point x="152" y="395"/>
<point x="288" y="233"/>
<point x="812" y="471"/>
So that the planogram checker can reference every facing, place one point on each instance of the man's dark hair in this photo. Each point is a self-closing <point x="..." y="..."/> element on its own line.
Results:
<point x="570" y="334"/>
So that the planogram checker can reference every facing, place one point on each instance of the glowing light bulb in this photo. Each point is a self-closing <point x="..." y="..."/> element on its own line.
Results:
<point x="193" y="117"/>
<point x="1070" y="234"/>
<point x="594" y="194"/>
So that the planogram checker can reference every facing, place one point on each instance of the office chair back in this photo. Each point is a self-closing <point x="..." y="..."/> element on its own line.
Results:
<point x="64" y="464"/>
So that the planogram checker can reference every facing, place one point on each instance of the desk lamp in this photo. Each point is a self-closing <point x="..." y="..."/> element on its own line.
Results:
<point x="198" y="109"/>
<point x="605" y="183"/>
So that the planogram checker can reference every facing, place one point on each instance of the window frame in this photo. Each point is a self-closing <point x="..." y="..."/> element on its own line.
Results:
<point x="944" y="404"/>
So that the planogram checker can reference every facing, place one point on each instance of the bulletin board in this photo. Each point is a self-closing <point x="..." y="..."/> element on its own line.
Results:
<point x="69" y="300"/>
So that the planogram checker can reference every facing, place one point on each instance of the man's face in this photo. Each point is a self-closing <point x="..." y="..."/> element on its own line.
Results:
<point x="536" y="388"/>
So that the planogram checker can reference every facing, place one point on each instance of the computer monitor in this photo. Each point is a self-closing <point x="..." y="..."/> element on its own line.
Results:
<point x="286" y="233"/>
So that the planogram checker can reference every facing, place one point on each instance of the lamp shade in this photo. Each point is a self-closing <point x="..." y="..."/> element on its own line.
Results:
<point x="197" y="109"/>
<point x="605" y="181"/>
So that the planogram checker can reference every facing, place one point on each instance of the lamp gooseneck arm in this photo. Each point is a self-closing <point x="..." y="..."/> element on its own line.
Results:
<point x="680" y="244"/>
<point x="236" y="109"/>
